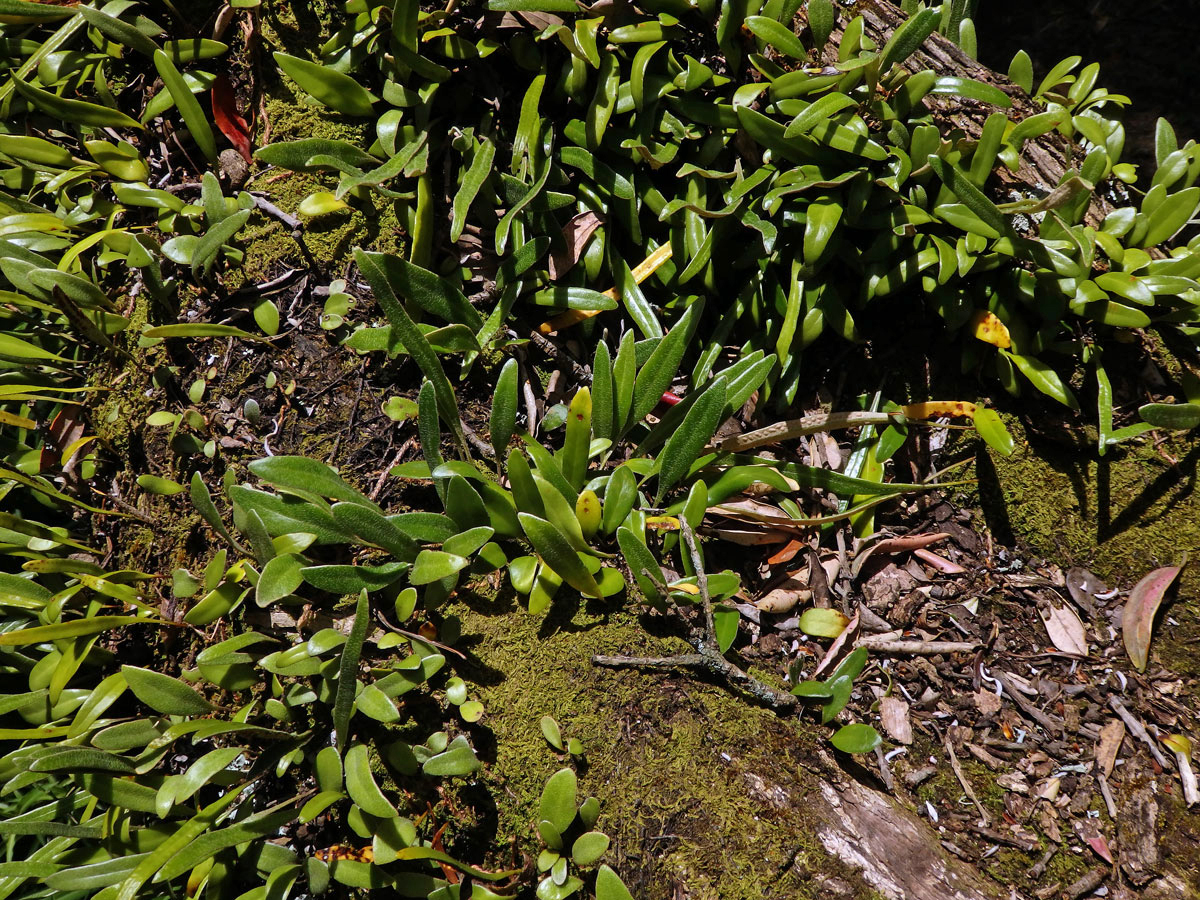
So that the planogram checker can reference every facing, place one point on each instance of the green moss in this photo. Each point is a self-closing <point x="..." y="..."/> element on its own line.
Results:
<point x="697" y="786"/>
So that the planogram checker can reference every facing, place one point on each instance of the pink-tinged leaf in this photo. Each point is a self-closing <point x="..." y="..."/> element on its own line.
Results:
<point x="1140" y="609"/>
<point x="576" y="234"/>
<point x="1100" y="845"/>
<point x="1066" y="631"/>
<point x="228" y="119"/>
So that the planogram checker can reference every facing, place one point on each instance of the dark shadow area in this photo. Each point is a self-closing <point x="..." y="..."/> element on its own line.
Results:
<point x="1176" y="482"/>
<point x="1145" y="51"/>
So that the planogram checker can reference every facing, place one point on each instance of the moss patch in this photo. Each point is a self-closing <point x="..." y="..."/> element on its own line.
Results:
<point x="697" y="786"/>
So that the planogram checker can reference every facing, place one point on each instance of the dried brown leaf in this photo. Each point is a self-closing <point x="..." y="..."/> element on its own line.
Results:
<point x="576" y="234"/>
<point x="1064" y="627"/>
<point x="785" y="597"/>
<point x="1108" y="744"/>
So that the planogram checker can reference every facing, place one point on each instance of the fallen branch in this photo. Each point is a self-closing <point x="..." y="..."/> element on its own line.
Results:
<point x="708" y="657"/>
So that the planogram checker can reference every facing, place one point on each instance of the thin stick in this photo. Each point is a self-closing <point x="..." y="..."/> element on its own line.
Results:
<point x="1138" y="730"/>
<point x="1028" y="708"/>
<point x="962" y="779"/>
<point x="793" y="428"/>
<point x="705" y="662"/>
<point x="689" y="538"/>
<point x="709" y="658"/>
<point x="919" y="648"/>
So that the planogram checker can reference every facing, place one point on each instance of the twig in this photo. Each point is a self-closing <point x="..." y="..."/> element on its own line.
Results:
<point x="962" y="779"/>
<point x="919" y="648"/>
<point x="1138" y="730"/>
<point x="689" y="538"/>
<point x="1039" y="868"/>
<point x="708" y="658"/>
<point x="556" y="352"/>
<point x="1047" y="722"/>
<point x="705" y="662"/>
<point x="1106" y="793"/>
<point x="1088" y="883"/>
<point x="478" y="443"/>
<point x="999" y="837"/>
<point x="261" y="201"/>
<point x="885" y="770"/>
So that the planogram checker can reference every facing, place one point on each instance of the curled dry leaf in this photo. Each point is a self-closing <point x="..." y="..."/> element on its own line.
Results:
<point x="575" y="234"/>
<point x="1137" y="624"/>
<point x="838" y="647"/>
<point x="1066" y="631"/>
<point x="943" y="565"/>
<point x="751" y="537"/>
<point x="785" y="597"/>
<point x="890" y="546"/>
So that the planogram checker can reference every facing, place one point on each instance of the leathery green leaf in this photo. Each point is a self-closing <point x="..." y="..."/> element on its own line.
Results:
<point x="554" y="550"/>
<point x="187" y="104"/>
<point x="361" y="785"/>
<point x="574" y="455"/>
<point x="169" y="848"/>
<point x="330" y="87"/>
<point x="434" y="565"/>
<point x="457" y="759"/>
<point x="777" y="35"/>
<point x="558" y="804"/>
<point x="504" y="408"/>
<point x="165" y="694"/>
<point x="405" y="331"/>
<point x="688" y="442"/>
<point x="991" y="428"/>
<point x="822" y="220"/>
<point x="343" y="701"/>
<point x="79" y="112"/>
<point x="856" y="738"/>
<point x="39" y="634"/>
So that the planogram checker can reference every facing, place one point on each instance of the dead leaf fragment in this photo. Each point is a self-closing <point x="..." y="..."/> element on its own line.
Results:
<point x="576" y="234"/>
<point x="1064" y="627"/>
<point x="1137" y="623"/>
<point x="893" y="714"/>
<point x="1108" y="745"/>
<point x="987" y="703"/>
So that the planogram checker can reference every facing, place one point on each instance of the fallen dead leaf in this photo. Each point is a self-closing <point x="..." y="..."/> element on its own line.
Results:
<point x="987" y="703"/>
<point x="1108" y="744"/>
<point x="1064" y="627"/>
<point x="785" y="554"/>
<point x="785" y="597"/>
<point x="1137" y="624"/>
<point x="576" y="234"/>
<point x="834" y="652"/>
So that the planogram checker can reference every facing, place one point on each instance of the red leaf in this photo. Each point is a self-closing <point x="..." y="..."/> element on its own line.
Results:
<point x="227" y="117"/>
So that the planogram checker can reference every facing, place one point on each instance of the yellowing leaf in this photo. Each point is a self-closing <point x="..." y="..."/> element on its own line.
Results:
<point x="986" y="327"/>
<point x="932" y="409"/>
